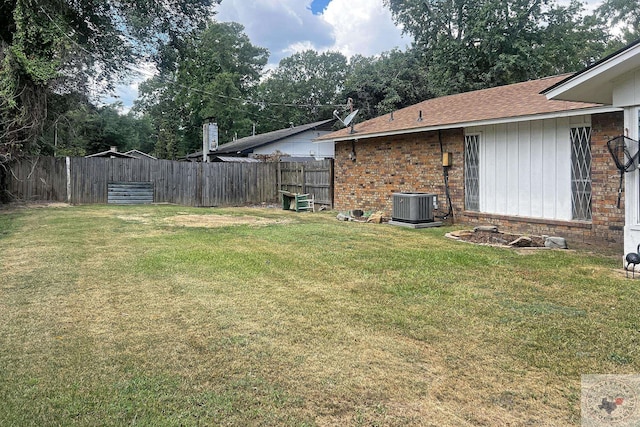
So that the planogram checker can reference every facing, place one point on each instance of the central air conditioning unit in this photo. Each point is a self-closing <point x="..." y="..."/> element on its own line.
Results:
<point x="414" y="210"/>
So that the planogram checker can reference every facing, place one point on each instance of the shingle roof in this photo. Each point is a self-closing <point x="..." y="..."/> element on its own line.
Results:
<point x="112" y="154"/>
<point x="503" y="102"/>
<point x="140" y="154"/>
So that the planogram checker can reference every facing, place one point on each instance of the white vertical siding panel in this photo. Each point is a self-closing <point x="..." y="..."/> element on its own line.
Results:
<point x="537" y="187"/>
<point x="501" y="169"/>
<point x="626" y="92"/>
<point x="488" y="170"/>
<point x="512" y="184"/>
<point x="524" y="169"/>
<point x="549" y="184"/>
<point x="563" y="170"/>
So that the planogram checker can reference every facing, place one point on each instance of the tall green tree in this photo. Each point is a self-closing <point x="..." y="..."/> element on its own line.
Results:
<point x="304" y="88"/>
<point x="157" y="101"/>
<point x="80" y="128"/>
<point x="64" y="46"/>
<point x="379" y="85"/>
<point x="216" y="77"/>
<point x="211" y="76"/>
<point x="472" y="45"/>
<point x="624" y="14"/>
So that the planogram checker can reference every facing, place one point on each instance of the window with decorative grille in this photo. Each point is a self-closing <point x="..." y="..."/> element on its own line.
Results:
<point x="581" y="173"/>
<point x="472" y="172"/>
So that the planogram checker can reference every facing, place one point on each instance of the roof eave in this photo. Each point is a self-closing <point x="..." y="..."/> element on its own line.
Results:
<point x="595" y="83"/>
<point x="488" y="122"/>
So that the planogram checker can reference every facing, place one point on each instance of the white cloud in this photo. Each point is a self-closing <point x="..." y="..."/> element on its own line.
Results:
<point x="286" y="27"/>
<point x="363" y="27"/>
<point x="279" y="26"/>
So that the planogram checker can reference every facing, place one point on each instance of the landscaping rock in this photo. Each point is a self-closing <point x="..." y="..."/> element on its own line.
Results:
<point x="376" y="218"/>
<point x="499" y="241"/>
<point x="486" y="228"/>
<point x="522" y="242"/>
<point x="460" y="233"/>
<point x="556" y="243"/>
<point x="342" y="217"/>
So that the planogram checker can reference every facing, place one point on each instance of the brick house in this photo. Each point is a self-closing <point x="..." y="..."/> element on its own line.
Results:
<point x="519" y="161"/>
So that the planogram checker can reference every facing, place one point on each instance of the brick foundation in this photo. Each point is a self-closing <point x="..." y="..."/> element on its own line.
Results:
<point x="412" y="163"/>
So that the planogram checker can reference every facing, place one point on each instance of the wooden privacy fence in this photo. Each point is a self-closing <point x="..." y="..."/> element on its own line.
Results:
<point x="80" y="180"/>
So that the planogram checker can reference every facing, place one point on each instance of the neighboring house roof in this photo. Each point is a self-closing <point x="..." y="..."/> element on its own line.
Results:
<point x="595" y="83"/>
<point x="112" y="153"/>
<point x="235" y="159"/>
<point x="515" y="102"/>
<point x="140" y="154"/>
<point x="246" y="145"/>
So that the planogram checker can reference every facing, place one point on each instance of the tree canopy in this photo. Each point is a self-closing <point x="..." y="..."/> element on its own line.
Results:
<point x="211" y="76"/>
<point x="64" y="46"/>
<point x="304" y="88"/>
<point x="473" y="45"/>
<point x="624" y="14"/>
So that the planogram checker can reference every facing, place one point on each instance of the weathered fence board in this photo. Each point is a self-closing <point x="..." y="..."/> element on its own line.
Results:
<point x="82" y="180"/>
<point x="38" y="178"/>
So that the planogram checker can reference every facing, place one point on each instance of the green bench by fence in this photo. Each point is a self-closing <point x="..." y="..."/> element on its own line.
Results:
<point x="297" y="202"/>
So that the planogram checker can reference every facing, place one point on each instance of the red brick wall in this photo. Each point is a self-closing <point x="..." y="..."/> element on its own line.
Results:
<point x="412" y="163"/>
<point x="383" y="166"/>
<point x="608" y="220"/>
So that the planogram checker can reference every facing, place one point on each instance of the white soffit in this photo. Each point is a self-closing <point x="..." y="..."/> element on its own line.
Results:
<point x="595" y="84"/>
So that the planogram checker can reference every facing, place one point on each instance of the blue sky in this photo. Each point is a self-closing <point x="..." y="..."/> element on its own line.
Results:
<point x="318" y="6"/>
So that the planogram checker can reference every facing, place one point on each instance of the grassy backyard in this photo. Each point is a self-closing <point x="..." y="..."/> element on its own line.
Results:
<point x="165" y="315"/>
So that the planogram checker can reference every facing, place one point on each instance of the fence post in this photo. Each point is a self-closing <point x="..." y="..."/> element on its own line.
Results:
<point x="331" y="181"/>
<point x="68" y="170"/>
<point x="304" y="180"/>
<point x="200" y="183"/>
<point x="279" y="177"/>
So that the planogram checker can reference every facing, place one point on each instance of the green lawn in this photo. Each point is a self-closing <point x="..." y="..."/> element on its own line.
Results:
<point x="165" y="315"/>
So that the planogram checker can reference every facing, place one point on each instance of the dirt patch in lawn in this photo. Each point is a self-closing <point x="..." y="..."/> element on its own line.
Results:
<point x="12" y="207"/>
<point x="211" y="221"/>
<point x="498" y="238"/>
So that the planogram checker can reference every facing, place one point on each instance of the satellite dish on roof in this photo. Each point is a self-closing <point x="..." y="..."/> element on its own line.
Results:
<point x="347" y="121"/>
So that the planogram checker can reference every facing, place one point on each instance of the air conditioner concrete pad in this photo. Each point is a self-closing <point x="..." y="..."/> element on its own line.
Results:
<point x="419" y="225"/>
